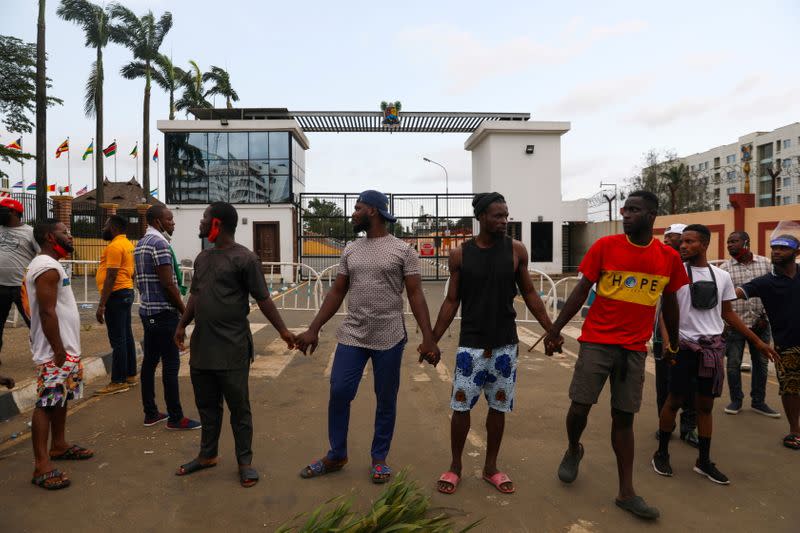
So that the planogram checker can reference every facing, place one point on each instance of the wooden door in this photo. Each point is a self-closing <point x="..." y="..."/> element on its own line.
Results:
<point x="266" y="241"/>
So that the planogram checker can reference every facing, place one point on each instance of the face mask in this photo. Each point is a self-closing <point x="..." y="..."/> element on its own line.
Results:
<point x="214" y="233"/>
<point x="164" y="233"/>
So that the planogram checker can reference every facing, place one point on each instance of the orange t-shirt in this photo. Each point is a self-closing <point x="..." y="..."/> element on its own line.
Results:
<point x="630" y="280"/>
<point x="118" y="254"/>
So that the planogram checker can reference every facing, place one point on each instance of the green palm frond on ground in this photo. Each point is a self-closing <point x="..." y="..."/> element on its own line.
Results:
<point x="401" y="507"/>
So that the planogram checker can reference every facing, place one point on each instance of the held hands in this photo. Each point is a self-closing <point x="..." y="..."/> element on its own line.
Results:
<point x="180" y="338"/>
<point x="553" y="341"/>
<point x="289" y="338"/>
<point x="429" y="351"/>
<point x="768" y="351"/>
<point x="307" y="339"/>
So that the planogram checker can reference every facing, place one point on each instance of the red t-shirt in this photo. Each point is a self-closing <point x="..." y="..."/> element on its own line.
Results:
<point x="630" y="280"/>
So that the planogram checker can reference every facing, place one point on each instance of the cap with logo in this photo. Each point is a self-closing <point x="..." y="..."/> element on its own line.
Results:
<point x="379" y="201"/>
<point x="675" y="228"/>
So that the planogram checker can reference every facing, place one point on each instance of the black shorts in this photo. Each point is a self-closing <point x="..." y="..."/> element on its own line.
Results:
<point x="683" y="378"/>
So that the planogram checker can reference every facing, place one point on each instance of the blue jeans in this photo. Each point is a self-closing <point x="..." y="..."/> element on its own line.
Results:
<point x="159" y="330"/>
<point x="348" y="367"/>
<point x="734" y="349"/>
<point x="120" y="335"/>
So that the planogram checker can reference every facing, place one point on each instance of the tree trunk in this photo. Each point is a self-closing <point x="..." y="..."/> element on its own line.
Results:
<point x="171" y="104"/>
<point x="41" y="117"/>
<point x="672" y="191"/>
<point x="146" y="133"/>
<point x="98" y="133"/>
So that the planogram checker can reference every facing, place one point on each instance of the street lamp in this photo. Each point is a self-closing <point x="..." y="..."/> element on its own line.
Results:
<point x="446" y="189"/>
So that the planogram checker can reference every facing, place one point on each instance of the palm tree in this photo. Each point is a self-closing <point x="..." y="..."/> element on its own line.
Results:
<point x="193" y="94"/>
<point x="93" y="19"/>
<point x="41" y="117"/>
<point x="143" y="36"/>
<point x="675" y="176"/>
<point x="169" y="77"/>
<point x="222" y="85"/>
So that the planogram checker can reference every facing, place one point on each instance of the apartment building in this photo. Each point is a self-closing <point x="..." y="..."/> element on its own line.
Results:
<point x="778" y="149"/>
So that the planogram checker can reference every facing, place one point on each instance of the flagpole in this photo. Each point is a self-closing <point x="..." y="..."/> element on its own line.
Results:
<point x="92" y="183"/>
<point x="137" y="160"/>
<point x="116" y="149"/>
<point x="158" y="175"/>
<point x="69" y="171"/>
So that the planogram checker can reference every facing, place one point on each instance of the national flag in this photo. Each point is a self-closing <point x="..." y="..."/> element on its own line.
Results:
<point x="155" y="155"/>
<point x="89" y="151"/>
<point x="83" y="191"/>
<point x="111" y="149"/>
<point x="154" y="192"/>
<point x="18" y="185"/>
<point x="16" y="145"/>
<point x="31" y="187"/>
<point x="51" y="188"/>
<point x="65" y="189"/>
<point x="135" y="152"/>
<point x="63" y="147"/>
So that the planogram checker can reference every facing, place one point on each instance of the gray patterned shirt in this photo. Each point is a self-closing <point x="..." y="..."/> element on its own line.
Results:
<point x="377" y="269"/>
<point x="748" y="310"/>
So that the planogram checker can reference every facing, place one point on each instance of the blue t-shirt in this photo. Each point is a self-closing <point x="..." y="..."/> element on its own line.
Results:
<point x="781" y="297"/>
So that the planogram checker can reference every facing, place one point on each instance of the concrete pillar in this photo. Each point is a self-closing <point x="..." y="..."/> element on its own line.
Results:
<point x="142" y="210"/>
<point x="62" y="210"/>
<point x="740" y="202"/>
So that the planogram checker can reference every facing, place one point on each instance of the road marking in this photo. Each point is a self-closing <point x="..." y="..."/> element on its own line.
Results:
<point x="473" y="438"/>
<point x="330" y="364"/>
<point x="443" y="372"/>
<point x="421" y="376"/>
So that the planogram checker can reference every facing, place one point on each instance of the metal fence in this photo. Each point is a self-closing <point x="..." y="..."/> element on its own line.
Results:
<point x="87" y="230"/>
<point x="28" y="201"/>
<point x="432" y="224"/>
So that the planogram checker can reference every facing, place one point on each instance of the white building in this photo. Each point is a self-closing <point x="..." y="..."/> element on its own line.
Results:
<point x="255" y="159"/>
<point x="722" y="165"/>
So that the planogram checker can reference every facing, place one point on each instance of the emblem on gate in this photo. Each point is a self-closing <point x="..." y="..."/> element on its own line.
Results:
<point x="391" y="113"/>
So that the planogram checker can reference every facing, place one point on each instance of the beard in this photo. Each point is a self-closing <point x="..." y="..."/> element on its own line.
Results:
<point x="358" y="227"/>
<point x="69" y="248"/>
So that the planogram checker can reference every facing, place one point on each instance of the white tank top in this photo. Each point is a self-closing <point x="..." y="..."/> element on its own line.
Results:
<point x="69" y="320"/>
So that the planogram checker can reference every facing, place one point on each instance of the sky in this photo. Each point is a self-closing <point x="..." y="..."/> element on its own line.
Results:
<point x="628" y="76"/>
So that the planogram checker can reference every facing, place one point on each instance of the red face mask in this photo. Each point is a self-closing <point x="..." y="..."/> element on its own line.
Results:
<point x="214" y="233"/>
<point x="60" y="251"/>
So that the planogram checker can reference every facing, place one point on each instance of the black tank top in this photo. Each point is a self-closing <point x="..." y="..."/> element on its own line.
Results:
<point x="487" y="288"/>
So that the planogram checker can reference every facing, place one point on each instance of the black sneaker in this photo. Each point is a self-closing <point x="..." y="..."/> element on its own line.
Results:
<point x="734" y="407"/>
<point x="568" y="469"/>
<point x="661" y="464"/>
<point x="710" y="471"/>
<point x="766" y="410"/>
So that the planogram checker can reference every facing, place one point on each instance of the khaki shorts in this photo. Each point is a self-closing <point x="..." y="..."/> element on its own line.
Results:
<point x="598" y="362"/>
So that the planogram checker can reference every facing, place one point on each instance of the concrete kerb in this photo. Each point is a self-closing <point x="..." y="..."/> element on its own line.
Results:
<point x="22" y="398"/>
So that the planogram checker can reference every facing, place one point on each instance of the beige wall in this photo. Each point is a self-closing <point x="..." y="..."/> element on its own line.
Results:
<point x="760" y="221"/>
<point x="719" y="222"/>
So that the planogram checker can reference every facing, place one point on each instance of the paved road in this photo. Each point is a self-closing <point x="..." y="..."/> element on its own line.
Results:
<point x="130" y="486"/>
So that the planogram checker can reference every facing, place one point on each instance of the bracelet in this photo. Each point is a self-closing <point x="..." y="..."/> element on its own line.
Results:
<point x="669" y="348"/>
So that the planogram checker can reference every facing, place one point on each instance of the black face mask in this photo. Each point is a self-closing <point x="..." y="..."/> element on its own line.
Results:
<point x="107" y="235"/>
<point x="704" y="293"/>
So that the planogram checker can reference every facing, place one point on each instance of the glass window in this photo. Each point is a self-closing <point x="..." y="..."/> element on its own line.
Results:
<point x="787" y="200"/>
<point x="731" y="175"/>
<point x="239" y="189"/>
<point x="731" y="190"/>
<point x="787" y="181"/>
<point x="237" y="145"/>
<point x="279" y="189"/>
<point x="787" y="143"/>
<point x="731" y="159"/>
<point x="786" y="163"/>
<point x="217" y="168"/>
<point x="279" y="145"/>
<point x="217" y="189"/>
<point x="259" y="189"/>
<point x="278" y="166"/>
<point x="183" y="180"/>
<point x="259" y="145"/>
<point x="194" y="188"/>
<point x="218" y="145"/>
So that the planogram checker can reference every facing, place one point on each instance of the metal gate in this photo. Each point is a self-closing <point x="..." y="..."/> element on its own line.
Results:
<point x="433" y="224"/>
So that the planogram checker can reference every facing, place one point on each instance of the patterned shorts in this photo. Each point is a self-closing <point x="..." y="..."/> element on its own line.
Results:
<point x="788" y="370"/>
<point x="492" y="371"/>
<point x="55" y="386"/>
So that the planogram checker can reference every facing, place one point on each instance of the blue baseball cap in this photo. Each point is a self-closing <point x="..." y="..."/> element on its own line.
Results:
<point x="379" y="201"/>
<point x="785" y="240"/>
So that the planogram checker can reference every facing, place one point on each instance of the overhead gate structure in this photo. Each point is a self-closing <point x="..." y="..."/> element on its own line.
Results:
<point x="432" y="224"/>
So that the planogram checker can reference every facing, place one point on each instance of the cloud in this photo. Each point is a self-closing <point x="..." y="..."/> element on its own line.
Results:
<point x="462" y="54"/>
<point x="599" y="95"/>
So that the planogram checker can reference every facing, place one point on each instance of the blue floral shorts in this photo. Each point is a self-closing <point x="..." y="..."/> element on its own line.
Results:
<point x="492" y="371"/>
